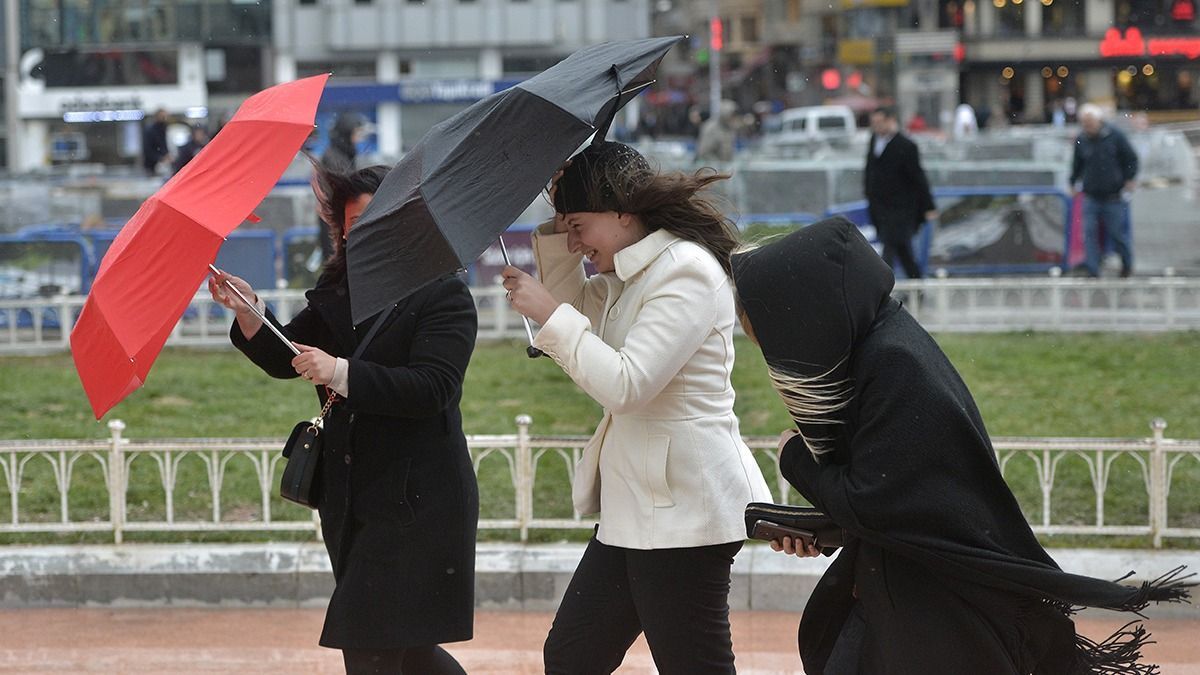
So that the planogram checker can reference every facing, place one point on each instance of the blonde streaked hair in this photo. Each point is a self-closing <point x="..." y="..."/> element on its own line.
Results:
<point x="813" y="400"/>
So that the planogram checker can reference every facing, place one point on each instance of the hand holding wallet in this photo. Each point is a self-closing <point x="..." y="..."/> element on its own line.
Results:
<point x="775" y="521"/>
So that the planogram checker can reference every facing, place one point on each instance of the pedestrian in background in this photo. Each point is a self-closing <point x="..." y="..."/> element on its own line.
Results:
<point x="399" y="503"/>
<point x="940" y="573"/>
<point x="897" y="191"/>
<point x="154" y="142"/>
<point x="196" y="143"/>
<point x="649" y="337"/>
<point x="341" y="157"/>
<point x="1103" y="170"/>
<point x="718" y="135"/>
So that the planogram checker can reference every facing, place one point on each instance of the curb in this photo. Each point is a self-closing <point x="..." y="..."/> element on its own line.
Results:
<point x="507" y="576"/>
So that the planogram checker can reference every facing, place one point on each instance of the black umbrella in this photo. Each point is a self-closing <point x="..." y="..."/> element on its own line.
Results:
<point x="473" y="174"/>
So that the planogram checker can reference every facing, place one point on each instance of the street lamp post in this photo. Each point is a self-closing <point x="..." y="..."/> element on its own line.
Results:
<point x="12" y="57"/>
<point x="716" y="40"/>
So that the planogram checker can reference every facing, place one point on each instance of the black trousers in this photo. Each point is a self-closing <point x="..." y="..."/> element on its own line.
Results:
<point x="902" y="248"/>
<point x="679" y="597"/>
<point x="412" y="661"/>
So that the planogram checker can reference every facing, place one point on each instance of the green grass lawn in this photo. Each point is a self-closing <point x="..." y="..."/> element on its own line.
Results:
<point x="1025" y="385"/>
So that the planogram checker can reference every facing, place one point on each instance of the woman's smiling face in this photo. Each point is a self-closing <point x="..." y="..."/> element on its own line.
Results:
<point x="599" y="235"/>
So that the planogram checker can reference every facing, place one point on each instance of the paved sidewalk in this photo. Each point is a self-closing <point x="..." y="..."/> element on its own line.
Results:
<point x="279" y="641"/>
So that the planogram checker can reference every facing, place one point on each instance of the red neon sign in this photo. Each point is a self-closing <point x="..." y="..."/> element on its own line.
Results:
<point x="1132" y="43"/>
<point x="1113" y="44"/>
<point x="1186" y="47"/>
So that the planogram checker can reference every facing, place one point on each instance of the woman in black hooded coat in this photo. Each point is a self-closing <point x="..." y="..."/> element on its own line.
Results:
<point x="941" y="572"/>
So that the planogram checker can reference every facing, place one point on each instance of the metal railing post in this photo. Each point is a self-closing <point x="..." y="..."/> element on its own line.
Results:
<point x="1158" y="482"/>
<point x="524" y="461"/>
<point x="116" y="480"/>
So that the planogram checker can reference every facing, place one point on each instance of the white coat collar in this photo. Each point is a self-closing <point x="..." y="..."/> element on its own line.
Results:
<point x="636" y="257"/>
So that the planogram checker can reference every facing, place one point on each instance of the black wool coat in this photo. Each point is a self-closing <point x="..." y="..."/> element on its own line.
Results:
<point x="400" y="506"/>
<point x="941" y="564"/>
<point x="896" y="189"/>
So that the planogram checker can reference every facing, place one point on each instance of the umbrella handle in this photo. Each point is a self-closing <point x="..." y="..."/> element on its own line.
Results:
<point x="530" y="351"/>
<point x="254" y="310"/>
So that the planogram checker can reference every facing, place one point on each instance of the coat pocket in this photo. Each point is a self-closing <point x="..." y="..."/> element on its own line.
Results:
<point x="657" y="449"/>
<point x="402" y="503"/>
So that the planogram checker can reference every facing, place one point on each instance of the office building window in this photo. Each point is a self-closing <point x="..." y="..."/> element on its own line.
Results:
<point x="1063" y="17"/>
<point x="749" y="29"/>
<point x="1010" y="17"/>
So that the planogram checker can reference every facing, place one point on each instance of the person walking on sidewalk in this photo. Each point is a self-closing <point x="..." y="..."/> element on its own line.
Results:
<point x="940" y="573"/>
<point x="649" y="337"/>
<point x="1103" y="169"/>
<point x="399" y="503"/>
<point x="897" y="191"/>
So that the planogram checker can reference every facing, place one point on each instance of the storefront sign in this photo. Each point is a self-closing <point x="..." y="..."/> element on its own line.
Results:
<point x="856" y="52"/>
<point x="51" y="103"/>
<point x="1133" y="44"/>
<point x="412" y="91"/>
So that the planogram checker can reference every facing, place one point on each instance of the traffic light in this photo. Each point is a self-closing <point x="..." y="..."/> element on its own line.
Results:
<point x="716" y="33"/>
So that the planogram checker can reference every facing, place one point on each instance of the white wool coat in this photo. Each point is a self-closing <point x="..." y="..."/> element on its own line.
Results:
<point x="652" y="342"/>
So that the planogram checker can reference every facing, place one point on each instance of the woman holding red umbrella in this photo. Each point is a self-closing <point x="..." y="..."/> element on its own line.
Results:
<point x="399" y="504"/>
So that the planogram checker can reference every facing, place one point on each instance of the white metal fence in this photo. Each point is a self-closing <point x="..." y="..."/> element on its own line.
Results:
<point x="40" y="325"/>
<point x="43" y="503"/>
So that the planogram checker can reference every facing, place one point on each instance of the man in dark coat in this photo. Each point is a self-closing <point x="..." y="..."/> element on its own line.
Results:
<point x="154" y="142"/>
<point x="941" y="572"/>
<point x="898" y="197"/>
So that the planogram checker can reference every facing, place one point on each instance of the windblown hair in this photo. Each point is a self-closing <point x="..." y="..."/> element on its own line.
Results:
<point x="674" y="201"/>
<point x="334" y="190"/>
<point x="622" y="180"/>
<point x="813" y="402"/>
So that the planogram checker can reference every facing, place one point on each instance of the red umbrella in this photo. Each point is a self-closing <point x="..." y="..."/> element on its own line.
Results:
<point x="155" y="265"/>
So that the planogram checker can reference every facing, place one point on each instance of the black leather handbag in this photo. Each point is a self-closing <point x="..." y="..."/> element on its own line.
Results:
<point x="767" y="521"/>
<point x="301" y="482"/>
<point x="303" y="452"/>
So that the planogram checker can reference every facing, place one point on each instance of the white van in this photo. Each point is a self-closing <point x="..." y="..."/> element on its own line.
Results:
<point x="810" y="123"/>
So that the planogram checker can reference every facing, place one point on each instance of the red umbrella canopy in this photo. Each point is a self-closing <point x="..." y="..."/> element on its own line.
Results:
<point x="152" y="269"/>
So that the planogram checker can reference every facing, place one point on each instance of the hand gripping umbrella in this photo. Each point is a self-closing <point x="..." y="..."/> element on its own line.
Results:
<point x="155" y="265"/>
<point x="473" y="174"/>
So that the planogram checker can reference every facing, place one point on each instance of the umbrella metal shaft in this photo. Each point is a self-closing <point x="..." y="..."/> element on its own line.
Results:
<point x="531" y="351"/>
<point x="260" y="315"/>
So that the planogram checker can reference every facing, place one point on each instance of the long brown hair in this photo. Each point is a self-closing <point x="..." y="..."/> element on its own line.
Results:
<point x="334" y="190"/>
<point x="615" y="177"/>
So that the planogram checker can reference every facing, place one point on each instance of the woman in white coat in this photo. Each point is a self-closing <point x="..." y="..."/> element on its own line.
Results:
<point x="650" y="337"/>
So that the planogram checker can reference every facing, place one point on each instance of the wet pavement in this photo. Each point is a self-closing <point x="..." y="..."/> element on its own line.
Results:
<point x="270" y="641"/>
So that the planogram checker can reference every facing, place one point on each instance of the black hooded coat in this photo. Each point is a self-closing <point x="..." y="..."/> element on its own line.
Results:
<point x="947" y="575"/>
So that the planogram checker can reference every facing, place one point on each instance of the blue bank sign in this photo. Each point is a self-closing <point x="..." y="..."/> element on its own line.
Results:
<point x="412" y="91"/>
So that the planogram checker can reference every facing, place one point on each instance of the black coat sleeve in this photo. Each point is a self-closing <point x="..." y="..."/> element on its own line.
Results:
<point x="265" y="349"/>
<point x="918" y="181"/>
<point x="432" y="379"/>
<point x="921" y="468"/>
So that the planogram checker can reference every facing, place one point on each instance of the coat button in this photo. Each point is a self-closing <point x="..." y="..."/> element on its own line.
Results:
<point x="614" y="312"/>
<point x="347" y="459"/>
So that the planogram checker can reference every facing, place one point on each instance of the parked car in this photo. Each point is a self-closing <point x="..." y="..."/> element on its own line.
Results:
<point x="809" y="124"/>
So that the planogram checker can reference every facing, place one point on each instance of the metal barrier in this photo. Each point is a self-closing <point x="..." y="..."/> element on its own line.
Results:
<point x="965" y="305"/>
<point x="856" y="212"/>
<point x="524" y="455"/>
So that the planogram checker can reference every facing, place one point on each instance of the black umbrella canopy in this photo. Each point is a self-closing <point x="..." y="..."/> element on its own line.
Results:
<point x="473" y="174"/>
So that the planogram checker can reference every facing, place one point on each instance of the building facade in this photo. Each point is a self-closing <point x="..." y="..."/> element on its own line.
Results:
<point x="407" y="64"/>
<point x="1030" y="60"/>
<point x="88" y="71"/>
